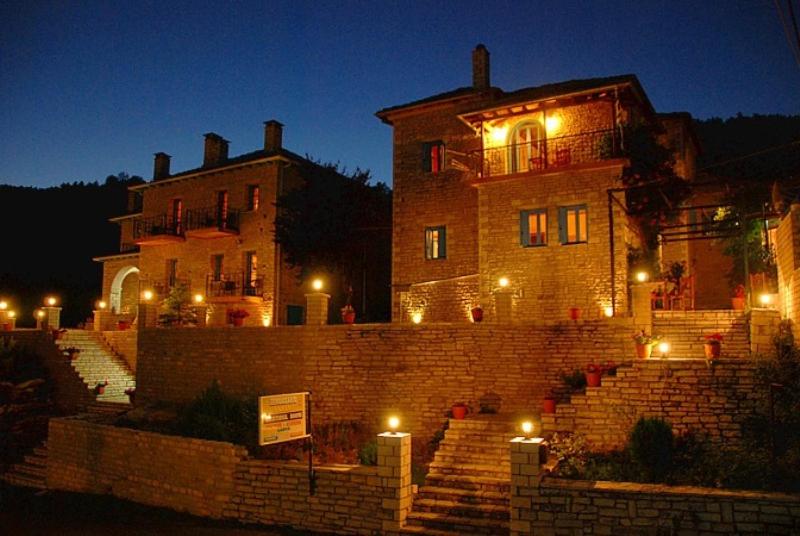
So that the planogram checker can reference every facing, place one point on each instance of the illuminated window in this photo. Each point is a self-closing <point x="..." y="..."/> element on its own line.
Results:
<point x="177" y="215"/>
<point x="525" y="149"/>
<point x="573" y="227"/>
<point x="435" y="243"/>
<point x="216" y="267"/>
<point x="433" y="156"/>
<point x="251" y="273"/>
<point x="253" y="195"/>
<point x="533" y="227"/>
<point x="222" y="209"/>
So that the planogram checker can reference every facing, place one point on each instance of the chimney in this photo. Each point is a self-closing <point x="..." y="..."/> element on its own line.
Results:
<point x="161" y="166"/>
<point x="216" y="150"/>
<point x="480" y="68"/>
<point x="273" y="135"/>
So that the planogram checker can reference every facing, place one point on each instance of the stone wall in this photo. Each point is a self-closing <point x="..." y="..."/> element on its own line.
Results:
<point x="124" y="344"/>
<point x="787" y="252"/>
<point x="692" y="396"/>
<point x="685" y="331"/>
<point x="442" y="301"/>
<point x="558" y="506"/>
<point x="363" y="372"/>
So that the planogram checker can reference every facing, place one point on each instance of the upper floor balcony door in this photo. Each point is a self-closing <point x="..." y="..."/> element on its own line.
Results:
<point x="526" y="146"/>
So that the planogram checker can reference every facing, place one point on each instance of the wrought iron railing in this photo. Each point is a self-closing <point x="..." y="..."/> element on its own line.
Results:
<point x="128" y="247"/>
<point x="547" y="153"/>
<point x="232" y="285"/>
<point x="162" y="224"/>
<point x="212" y="217"/>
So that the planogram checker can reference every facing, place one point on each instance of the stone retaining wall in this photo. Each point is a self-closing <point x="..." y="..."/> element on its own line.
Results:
<point x="558" y="506"/>
<point x="123" y="343"/>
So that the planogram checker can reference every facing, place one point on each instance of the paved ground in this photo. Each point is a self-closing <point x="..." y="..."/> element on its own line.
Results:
<point x="23" y="513"/>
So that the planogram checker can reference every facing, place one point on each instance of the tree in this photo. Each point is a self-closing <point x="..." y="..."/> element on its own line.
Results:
<point x="339" y="225"/>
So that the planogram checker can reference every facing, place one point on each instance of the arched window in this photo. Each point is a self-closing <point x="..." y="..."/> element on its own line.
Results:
<point x="524" y="147"/>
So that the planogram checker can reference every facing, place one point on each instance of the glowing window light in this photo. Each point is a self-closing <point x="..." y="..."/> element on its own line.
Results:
<point x="416" y="318"/>
<point x="394" y="424"/>
<point x="641" y="277"/>
<point x="503" y="282"/>
<point x="316" y="284"/>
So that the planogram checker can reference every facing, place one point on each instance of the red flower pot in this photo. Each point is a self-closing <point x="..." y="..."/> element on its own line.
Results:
<point x="6" y="327"/>
<point x="593" y="379"/>
<point x="101" y="389"/>
<point x="122" y="325"/>
<point x="574" y="313"/>
<point x="238" y="321"/>
<point x="737" y="303"/>
<point x="349" y="318"/>
<point x="477" y="314"/>
<point x="459" y="411"/>
<point x="712" y="349"/>
<point x="549" y="405"/>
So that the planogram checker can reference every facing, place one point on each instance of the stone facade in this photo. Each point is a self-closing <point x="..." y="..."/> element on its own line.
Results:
<point x="685" y="332"/>
<point x="788" y="259"/>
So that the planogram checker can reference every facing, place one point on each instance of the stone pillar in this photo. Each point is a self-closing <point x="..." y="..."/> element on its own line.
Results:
<point x="103" y="320"/>
<point x="317" y="308"/>
<point x="528" y="456"/>
<point x="52" y="317"/>
<point x="641" y="307"/>
<point x="147" y="315"/>
<point x="394" y="470"/>
<point x="8" y="322"/>
<point x="504" y="306"/>
<point x="763" y="329"/>
<point x="201" y="311"/>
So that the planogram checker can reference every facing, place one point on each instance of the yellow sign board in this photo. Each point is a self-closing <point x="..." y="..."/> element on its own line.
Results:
<point x="282" y="418"/>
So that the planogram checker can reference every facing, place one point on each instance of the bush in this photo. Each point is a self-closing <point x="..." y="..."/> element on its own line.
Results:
<point x="651" y="446"/>
<point x="576" y="380"/>
<point x="368" y="454"/>
<point x="217" y="416"/>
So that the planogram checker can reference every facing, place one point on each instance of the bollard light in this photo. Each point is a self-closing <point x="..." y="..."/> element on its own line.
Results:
<point x="39" y="313"/>
<point x="317" y="284"/>
<point x="641" y="277"/>
<point x="394" y="424"/>
<point x="608" y="311"/>
<point x="101" y="305"/>
<point x="50" y="300"/>
<point x="527" y="429"/>
<point x="765" y="299"/>
<point x="503" y="282"/>
<point x="3" y="305"/>
<point x="416" y="318"/>
<point x="663" y="348"/>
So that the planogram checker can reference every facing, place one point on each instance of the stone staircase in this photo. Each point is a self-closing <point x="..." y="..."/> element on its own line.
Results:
<point x="32" y="472"/>
<point x="467" y="490"/>
<point x="685" y="331"/>
<point x="97" y="363"/>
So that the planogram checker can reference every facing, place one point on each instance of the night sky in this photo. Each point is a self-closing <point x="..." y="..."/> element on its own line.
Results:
<point x="89" y="89"/>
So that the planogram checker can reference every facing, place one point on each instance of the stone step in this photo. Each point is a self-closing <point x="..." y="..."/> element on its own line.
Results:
<point x="29" y="470"/>
<point x="36" y="459"/>
<point x="459" y="509"/>
<point x="482" y="425"/>
<point x="472" y="469"/>
<point x="472" y="458"/>
<point x="461" y="525"/>
<point x="469" y="482"/>
<point x="475" y="436"/>
<point x="16" y="479"/>
<point x="464" y="496"/>
<point x="458" y="447"/>
<point x="425" y="531"/>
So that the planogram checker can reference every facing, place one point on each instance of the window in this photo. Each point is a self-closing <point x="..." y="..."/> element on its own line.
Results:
<point x="172" y="272"/>
<point x="435" y="243"/>
<point x="526" y="147"/>
<point x="222" y="209"/>
<point x="177" y="216"/>
<point x="533" y="227"/>
<point x="573" y="224"/>
<point x="216" y="267"/>
<point x="251" y="273"/>
<point x="433" y="156"/>
<point x="253" y="194"/>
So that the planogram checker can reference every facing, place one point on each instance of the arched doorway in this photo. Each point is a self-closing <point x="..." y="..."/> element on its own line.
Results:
<point x="524" y="147"/>
<point x="125" y="291"/>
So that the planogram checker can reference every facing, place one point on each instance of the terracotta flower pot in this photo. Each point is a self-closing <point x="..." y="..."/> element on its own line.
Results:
<point x="349" y="317"/>
<point x="122" y="325"/>
<point x="238" y="321"/>
<point x="643" y="351"/>
<point x="574" y="313"/>
<point x="7" y="327"/>
<point x="459" y="411"/>
<point x="549" y="405"/>
<point x="101" y="389"/>
<point x="737" y="304"/>
<point x="477" y="314"/>
<point x="712" y="349"/>
<point x="593" y="379"/>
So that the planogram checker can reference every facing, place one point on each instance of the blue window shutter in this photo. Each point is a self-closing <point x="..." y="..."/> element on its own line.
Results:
<point x="562" y="225"/>
<point x="442" y="242"/>
<point x="524" y="228"/>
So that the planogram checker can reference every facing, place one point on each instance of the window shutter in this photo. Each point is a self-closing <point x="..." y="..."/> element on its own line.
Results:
<point x="524" y="229"/>
<point x="562" y="225"/>
<point x="442" y="242"/>
<point x="426" y="157"/>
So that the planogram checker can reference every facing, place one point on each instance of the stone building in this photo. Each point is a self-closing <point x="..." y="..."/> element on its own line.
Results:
<point x="491" y="185"/>
<point x="211" y="228"/>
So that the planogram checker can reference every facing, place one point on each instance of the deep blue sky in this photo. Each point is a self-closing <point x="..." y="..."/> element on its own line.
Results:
<point x="89" y="89"/>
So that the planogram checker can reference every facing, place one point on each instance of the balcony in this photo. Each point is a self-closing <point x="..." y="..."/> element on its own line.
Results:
<point x="547" y="154"/>
<point x="212" y="222"/>
<point x="232" y="286"/>
<point x="157" y="230"/>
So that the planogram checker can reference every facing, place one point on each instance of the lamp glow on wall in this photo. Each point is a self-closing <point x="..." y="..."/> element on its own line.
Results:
<point x="3" y="305"/>
<point x="101" y="305"/>
<point x="765" y="299"/>
<point x="39" y="314"/>
<point x="608" y="311"/>
<point x="199" y="298"/>
<point x="527" y="429"/>
<point x="147" y="295"/>
<point x="503" y="282"/>
<point x="416" y="317"/>
<point x="498" y="134"/>
<point x="552" y="124"/>
<point x="663" y="348"/>
<point x="266" y="321"/>
<point x="12" y="314"/>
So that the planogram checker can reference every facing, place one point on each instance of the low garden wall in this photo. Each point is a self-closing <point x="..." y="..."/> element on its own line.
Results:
<point x="690" y="394"/>
<point x="364" y="372"/>
<point x="558" y="506"/>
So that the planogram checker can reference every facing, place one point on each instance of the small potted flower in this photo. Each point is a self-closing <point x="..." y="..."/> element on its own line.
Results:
<point x="348" y="314"/>
<point x="237" y="316"/>
<point x="100" y="388"/>
<point x="594" y="374"/>
<point x="477" y="313"/>
<point x="72" y="353"/>
<point x="131" y="392"/>
<point x="644" y="344"/>
<point x="549" y="404"/>
<point x="574" y="313"/>
<point x="713" y="346"/>
<point x="737" y="300"/>
<point x="459" y="410"/>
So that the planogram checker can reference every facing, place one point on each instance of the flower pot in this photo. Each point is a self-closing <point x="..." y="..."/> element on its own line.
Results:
<point x="643" y="351"/>
<point x="712" y="349"/>
<point x="574" y="313"/>
<point x="549" y="405"/>
<point x="100" y="389"/>
<point x="7" y="327"/>
<point x="459" y="412"/>
<point x="122" y="325"/>
<point x="349" y="317"/>
<point x="593" y="379"/>
<point x="477" y="314"/>
<point x="737" y="304"/>
<point x="238" y="321"/>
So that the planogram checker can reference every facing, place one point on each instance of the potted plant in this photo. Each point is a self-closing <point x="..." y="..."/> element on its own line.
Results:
<point x="737" y="300"/>
<point x="58" y="334"/>
<point x="131" y="392"/>
<point x="549" y="404"/>
<point x="644" y="344"/>
<point x="574" y="313"/>
<point x="459" y="410"/>
<point x="477" y="313"/>
<point x="237" y="316"/>
<point x="594" y="374"/>
<point x="71" y="352"/>
<point x="100" y="388"/>
<point x="348" y="314"/>
<point x="713" y="346"/>
<point x="122" y="325"/>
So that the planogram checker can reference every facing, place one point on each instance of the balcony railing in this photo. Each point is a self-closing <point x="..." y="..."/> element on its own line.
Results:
<point x="232" y="285"/>
<point x="213" y="218"/>
<point x="156" y="226"/>
<point x="128" y="247"/>
<point x="547" y="153"/>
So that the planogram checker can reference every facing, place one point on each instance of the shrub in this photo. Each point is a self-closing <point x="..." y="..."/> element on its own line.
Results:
<point x="217" y="416"/>
<point x="651" y="446"/>
<point x="368" y="453"/>
<point x="575" y="381"/>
